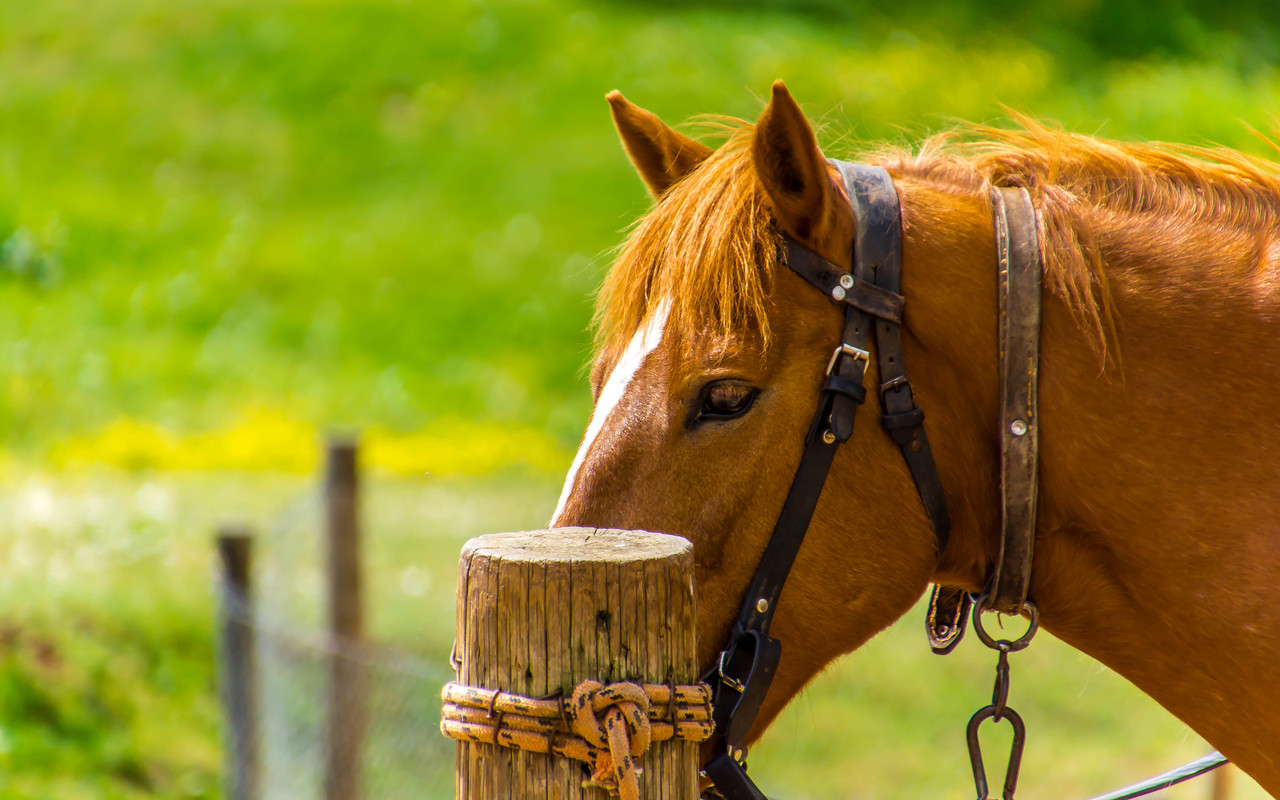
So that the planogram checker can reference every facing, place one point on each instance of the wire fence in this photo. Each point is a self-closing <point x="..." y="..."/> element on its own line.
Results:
<point x="402" y="753"/>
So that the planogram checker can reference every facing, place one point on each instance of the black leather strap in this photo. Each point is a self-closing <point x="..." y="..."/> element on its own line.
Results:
<point x="837" y="407"/>
<point x="840" y="286"/>
<point x="747" y="665"/>
<point x="879" y="261"/>
<point x="730" y="778"/>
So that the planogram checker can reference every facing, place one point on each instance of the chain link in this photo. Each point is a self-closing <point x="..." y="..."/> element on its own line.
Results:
<point x="999" y="709"/>
<point x="1000" y="691"/>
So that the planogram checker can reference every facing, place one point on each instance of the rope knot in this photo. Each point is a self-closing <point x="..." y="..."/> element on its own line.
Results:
<point x="606" y="727"/>
<point x="614" y="719"/>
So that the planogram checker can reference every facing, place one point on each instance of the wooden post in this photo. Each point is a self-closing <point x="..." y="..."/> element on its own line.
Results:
<point x="345" y="726"/>
<point x="238" y="666"/>
<point x="1221" y="787"/>
<point x="541" y="611"/>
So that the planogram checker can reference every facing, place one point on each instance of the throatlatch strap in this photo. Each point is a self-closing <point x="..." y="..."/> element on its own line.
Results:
<point x="1019" y="260"/>
<point x="879" y="261"/>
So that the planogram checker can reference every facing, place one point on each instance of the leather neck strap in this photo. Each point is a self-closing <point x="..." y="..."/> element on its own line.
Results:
<point x="1019" y="264"/>
<point x="1018" y="253"/>
<point x="870" y="297"/>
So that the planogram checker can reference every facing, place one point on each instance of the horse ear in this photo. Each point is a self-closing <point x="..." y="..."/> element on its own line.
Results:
<point x="791" y="167"/>
<point x="661" y="155"/>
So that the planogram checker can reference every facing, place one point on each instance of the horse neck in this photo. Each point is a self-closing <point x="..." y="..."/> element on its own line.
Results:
<point x="1159" y="478"/>
<point x="1158" y="471"/>
<point x="950" y="350"/>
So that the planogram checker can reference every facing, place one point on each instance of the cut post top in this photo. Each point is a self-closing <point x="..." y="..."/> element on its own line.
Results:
<point x="577" y="544"/>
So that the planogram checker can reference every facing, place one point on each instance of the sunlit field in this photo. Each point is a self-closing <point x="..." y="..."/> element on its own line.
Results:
<point x="228" y="226"/>
<point x="107" y="678"/>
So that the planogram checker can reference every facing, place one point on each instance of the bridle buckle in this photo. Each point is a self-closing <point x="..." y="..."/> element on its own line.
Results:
<point x="846" y="349"/>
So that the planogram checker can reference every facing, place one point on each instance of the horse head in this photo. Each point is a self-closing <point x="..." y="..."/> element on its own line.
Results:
<point x="707" y="378"/>
<point x="714" y="354"/>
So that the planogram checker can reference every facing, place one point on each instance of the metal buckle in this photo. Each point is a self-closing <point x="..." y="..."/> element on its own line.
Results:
<point x="732" y="683"/>
<point x="846" y="349"/>
<point x="894" y="383"/>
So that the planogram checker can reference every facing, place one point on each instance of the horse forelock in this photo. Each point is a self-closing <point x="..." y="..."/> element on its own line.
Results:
<point x="707" y="250"/>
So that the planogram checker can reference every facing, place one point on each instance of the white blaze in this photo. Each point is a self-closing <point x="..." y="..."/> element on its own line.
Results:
<point x="641" y="345"/>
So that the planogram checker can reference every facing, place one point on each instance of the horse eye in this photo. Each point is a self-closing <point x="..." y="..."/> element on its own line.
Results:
<point x="726" y="400"/>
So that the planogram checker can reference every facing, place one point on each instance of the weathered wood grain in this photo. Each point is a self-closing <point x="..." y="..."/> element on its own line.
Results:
<point x="541" y="611"/>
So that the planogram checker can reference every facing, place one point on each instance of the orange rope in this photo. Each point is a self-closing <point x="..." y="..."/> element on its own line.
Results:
<point x="608" y="727"/>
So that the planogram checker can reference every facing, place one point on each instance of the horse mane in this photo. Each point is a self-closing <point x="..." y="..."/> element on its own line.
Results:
<point x="710" y="246"/>
<point x="1076" y="181"/>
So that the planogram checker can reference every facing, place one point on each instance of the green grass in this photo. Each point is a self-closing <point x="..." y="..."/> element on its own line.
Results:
<point x="226" y="225"/>
<point x="107" y="656"/>
<point x="387" y="213"/>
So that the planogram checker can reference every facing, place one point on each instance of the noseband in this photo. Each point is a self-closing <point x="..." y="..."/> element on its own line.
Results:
<point x="871" y="299"/>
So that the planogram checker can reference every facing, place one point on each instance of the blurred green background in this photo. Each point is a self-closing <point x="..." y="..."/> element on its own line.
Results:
<point x="227" y="226"/>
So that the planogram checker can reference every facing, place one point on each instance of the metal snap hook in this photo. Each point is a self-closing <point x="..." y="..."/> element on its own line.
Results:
<point x="728" y="681"/>
<point x="1015" y="751"/>
<point x="1000" y="691"/>
<point x="999" y="709"/>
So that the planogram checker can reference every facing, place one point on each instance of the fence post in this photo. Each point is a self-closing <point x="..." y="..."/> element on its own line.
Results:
<point x="345" y="725"/>
<point x="1221" y="787"/>
<point x="238" y="665"/>
<point x="540" y="611"/>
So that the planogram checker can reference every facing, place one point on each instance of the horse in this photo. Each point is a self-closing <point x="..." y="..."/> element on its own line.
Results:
<point x="1157" y="543"/>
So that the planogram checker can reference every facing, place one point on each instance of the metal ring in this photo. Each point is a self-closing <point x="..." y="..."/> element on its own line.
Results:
<point x="1005" y="645"/>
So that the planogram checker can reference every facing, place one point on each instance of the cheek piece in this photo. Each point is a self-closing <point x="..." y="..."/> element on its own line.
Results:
<point x="870" y="298"/>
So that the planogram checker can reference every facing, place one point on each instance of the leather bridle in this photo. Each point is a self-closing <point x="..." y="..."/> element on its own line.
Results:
<point x="871" y="301"/>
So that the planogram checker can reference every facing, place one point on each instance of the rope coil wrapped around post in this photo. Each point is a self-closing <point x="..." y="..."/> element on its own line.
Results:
<point x="605" y="726"/>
